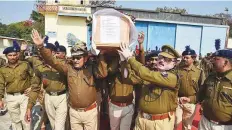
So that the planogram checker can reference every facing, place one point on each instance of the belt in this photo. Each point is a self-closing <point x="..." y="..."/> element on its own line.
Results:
<point x="92" y="106"/>
<point x="219" y="122"/>
<point x="56" y="93"/>
<point x="15" y="94"/>
<point x="121" y="104"/>
<point x="156" y="116"/>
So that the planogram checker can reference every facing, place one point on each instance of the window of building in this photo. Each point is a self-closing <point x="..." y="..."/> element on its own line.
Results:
<point x="82" y="2"/>
<point x="56" y="1"/>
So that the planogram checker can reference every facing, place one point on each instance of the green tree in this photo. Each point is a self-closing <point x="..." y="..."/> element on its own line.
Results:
<point x="171" y="10"/>
<point x="23" y="29"/>
<point x="228" y="18"/>
<point x="18" y="30"/>
<point x="107" y="3"/>
<point x="38" y="21"/>
<point x="3" y="28"/>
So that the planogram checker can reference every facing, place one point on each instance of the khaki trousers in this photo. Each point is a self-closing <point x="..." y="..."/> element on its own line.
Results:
<point x="17" y="106"/>
<point x="56" y="109"/>
<point x="205" y="124"/>
<point x="83" y="120"/>
<point x="120" y="117"/>
<point x="145" y="124"/>
<point x="185" y="113"/>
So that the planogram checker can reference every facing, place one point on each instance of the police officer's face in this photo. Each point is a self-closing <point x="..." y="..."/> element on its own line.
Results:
<point x="78" y="61"/>
<point x="60" y="55"/>
<point x="188" y="60"/>
<point x="164" y="63"/>
<point x="12" y="57"/>
<point x="219" y="63"/>
<point x="153" y="62"/>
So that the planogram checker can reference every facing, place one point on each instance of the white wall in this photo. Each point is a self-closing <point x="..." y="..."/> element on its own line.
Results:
<point x="229" y="45"/>
<point x="74" y="25"/>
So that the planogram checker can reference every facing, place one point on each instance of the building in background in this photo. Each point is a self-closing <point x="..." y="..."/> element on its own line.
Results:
<point x="229" y="43"/>
<point x="6" y="42"/>
<point x="63" y="17"/>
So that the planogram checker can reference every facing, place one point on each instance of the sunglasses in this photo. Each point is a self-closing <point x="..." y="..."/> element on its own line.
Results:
<point x="165" y="59"/>
<point x="77" y="57"/>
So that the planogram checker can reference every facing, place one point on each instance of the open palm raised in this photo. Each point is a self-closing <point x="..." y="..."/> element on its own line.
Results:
<point x="37" y="38"/>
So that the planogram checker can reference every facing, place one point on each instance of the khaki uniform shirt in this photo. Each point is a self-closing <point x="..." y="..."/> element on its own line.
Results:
<point x="17" y="79"/>
<point x="216" y="97"/>
<point x="82" y="91"/>
<point x="190" y="81"/>
<point x="159" y="94"/>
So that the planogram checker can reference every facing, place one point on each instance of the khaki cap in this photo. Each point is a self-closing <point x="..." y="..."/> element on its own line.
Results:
<point x="169" y="52"/>
<point x="79" y="49"/>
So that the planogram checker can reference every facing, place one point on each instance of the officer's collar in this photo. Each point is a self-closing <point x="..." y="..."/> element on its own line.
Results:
<point x="191" y="67"/>
<point x="81" y="68"/>
<point x="47" y="65"/>
<point x="229" y="75"/>
<point x="15" y="65"/>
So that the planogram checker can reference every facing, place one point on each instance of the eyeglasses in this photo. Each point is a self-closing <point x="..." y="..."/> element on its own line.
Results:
<point x="165" y="58"/>
<point x="77" y="57"/>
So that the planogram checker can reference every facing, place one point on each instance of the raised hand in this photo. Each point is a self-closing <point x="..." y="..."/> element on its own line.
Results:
<point x="37" y="38"/>
<point x="141" y="37"/>
<point x="125" y="51"/>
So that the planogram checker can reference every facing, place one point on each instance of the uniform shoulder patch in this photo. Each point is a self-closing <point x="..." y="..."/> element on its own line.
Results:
<point x="24" y="62"/>
<point x="164" y="74"/>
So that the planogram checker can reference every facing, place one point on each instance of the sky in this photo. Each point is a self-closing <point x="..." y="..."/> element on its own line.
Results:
<point x="15" y="11"/>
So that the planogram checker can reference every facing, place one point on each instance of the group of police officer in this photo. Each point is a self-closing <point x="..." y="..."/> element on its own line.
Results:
<point x="161" y="93"/>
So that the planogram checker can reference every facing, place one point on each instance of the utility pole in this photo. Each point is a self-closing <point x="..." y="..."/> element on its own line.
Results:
<point x="227" y="17"/>
<point x="227" y="10"/>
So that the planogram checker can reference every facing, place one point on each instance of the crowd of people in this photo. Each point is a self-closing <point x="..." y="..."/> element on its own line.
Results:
<point x="153" y="91"/>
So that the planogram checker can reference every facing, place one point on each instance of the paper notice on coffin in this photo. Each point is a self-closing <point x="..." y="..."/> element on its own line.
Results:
<point x="110" y="29"/>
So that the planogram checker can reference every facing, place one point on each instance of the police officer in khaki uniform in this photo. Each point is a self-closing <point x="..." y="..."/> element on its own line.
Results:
<point x="2" y="62"/>
<point x="16" y="78"/>
<point x="121" y="108"/>
<point x="191" y="78"/>
<point x="35" y="60"/>
<point x="206" y="64"/>
<point x="80" y="77"/>
<point x="216" y="94"/>
<point x="55" y="86"/>
<point x="60" y="51"/>
<point x="61" y="54"/>
<point x="158" y="100"/>
<point x="151" y="59"/>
